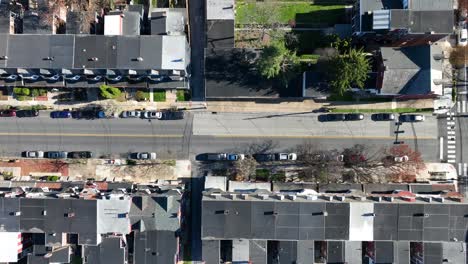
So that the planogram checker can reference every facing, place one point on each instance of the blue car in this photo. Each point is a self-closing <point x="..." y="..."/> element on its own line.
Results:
<point x="60" y="114"/>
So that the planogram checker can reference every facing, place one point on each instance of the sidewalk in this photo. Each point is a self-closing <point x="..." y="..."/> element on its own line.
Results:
<point x="309" y="105"/>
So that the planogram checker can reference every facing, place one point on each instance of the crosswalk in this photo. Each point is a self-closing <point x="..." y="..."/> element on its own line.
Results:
<point x="463" y="169"/>
<point x="462" y="107"/>
<point x="451" y="139"/>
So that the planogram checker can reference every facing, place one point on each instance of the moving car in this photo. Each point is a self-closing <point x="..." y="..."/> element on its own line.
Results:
<point x="57" y="154"/>
<point x="33" y="154"/>
<point x="61" y="114"/>
<point x="172" y="115"/>
<point x="27" y="113"/>
<point x="411" y="118"/>
<point x="80" y="155"/>
<point x="354" y="117"/>
<point x="383" y="117"/>
<point x="131" y="114"/>
<point x="152" y="115"/>
<point x="142" y="155"/>
<point x="331" y="117"/>
<point x="8" y="113"/>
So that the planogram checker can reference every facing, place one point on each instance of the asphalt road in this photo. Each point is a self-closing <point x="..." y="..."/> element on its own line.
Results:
<point x="179" y="139"/>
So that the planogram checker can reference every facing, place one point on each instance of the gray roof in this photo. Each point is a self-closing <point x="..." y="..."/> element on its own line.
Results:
<point x="110" y="250"/>
<point x="8" y="221"/>
<point x="437" y="21"/>
<point x="130" y="22"/>
<point x="430" y="5"/>
<point x="211" y="251"/>
<point x="112" y="216"/>
<point x="409" y="70"/>
<point x="75" y="20"/>
<point x="155" y="247"/>
<point x="220" y="34"/>
<point x="76" y="52"/>
<point x="155" y="212"/>
<point x="257" y="250"/>
<point x="168" y="21"/>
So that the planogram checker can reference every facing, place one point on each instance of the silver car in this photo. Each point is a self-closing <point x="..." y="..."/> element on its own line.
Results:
<point x="131" y="114"/>
<point x="152" y="115"/>
<point x="34" y="154"/>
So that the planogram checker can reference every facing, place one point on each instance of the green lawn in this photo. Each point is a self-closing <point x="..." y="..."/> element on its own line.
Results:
<point x="183" y="95"/>
<point x="396" y="110"/>
<point x="159" y="96"/>
<point x="302" y="13"/>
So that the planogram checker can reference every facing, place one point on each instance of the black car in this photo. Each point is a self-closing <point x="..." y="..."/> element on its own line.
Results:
<point x="354" y="117"/>
<point x="264" y="157"/>
<point x="172" y="115"/>
<point x="84" y="114"/>
<point x="27" y="113"/>
<point x="80" y="155"/>
<point x="331" y="117"/>
<point x="383" y="117"/>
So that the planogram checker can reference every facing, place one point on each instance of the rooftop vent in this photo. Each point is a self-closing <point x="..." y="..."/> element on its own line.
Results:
<point x="292" y="197"/>
<point x="3" y="57"/>
<point x="377" y="198"/>
<point x="44" y="212"/>
<point x="216" y="195"/>
<point x="340" y="198"/>
<point x="389" y="199"/>
<point x="49" y="58"/>
<point x="93" y="59"/>
<point x="281" y="197"/>
<point x="263" y="196"/>
<point x="233" y="196"/>
<point x="245" y="196"/>
<point x="139" y="58"/>
<point x="439" y="199"/>
<point x="311" y="197"/>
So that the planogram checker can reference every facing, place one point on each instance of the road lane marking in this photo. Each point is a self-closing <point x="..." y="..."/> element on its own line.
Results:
<point x="91" y="135"/>
<point x="324" y="137"/>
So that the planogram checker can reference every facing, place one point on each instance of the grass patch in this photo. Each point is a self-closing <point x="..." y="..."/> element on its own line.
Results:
<point x="171" y="163"/>
<point x="142" y="96"/>
<point x="159" y="96"/>
<point x="301" y="13"/>
<point x="183" y="95"/>
<point x="262" y="174"/>
<point x="396" y="110"/>
<point x="278" y="177"/>
<point x="154" y="3"/>
<point x="309" y="58"/>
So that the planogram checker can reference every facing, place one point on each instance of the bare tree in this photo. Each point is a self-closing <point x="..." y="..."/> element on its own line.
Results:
<point x="405" y="171"/>
<point x="459" y="56"/>
<point x="244" y="169"/>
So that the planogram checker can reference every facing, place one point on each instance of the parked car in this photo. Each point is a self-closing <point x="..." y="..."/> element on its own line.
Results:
<point x="131" y="114"/>
<point x="27" y="113"/>
<point x="264" y="157"/>
<point x="286" y="156"/>
<point x="33" y="154"/>
<point x="463" y="37"/>
<point x="60" y="114"/>
<point x="401" y="158"/>
<point x="84" y="114"/>
<point x="142" y="155"/>
<point x="411" y="118"/>
<point x="383" y="117"/>
<point x="221" y="157"/>
<point x="354" y="117"/>
<point x="172" y="115"/>
<point x="234" y="157"/>
<point x="8" y="113"/>
<point x="331" y="117"/>
<point x="80" y="155"/>
<point x="152" y="115"/>
<point x="57" y="154"/>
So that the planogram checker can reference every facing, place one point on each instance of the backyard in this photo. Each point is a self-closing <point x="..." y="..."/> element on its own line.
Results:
<point x="296" y="13"/>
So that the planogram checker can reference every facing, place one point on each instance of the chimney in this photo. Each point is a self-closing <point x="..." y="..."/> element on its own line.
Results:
<point x="408" y="199"/>
<point x="292" y="197"/>
<point x="340" y="198"/>
<point x="439" y="199"/>
<point x="244" y="196"/>
<point x="233" y="196"/>
<point x="359" y="198"/>
<point x="427" y="199"/>
<point x="377" y="198"/>
<point x="389" y="199"/>
<point x="216" y="195"/>
<point x="263" y="196"/>
<point x="281" y="197"/>
<point x="328" y="198"/>
<point x="311" y="197"/>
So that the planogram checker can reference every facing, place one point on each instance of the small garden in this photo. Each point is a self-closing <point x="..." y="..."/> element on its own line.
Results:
<point x="142" y="95"/>
<point x="183" y="95"/>
<point x="109" y="92"/>
<point x="159" y="95"/>
<point x="24" y="94"/>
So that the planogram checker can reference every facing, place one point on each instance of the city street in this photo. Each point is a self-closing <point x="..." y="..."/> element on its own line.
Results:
<point x="201" y="132"/>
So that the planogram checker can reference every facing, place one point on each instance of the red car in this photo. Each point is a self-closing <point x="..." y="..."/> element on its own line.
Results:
<point x="8" y="113"/>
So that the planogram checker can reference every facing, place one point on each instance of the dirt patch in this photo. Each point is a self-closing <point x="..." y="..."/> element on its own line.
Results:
<point x="38" y="166"/>
<point x="144" y="172"/>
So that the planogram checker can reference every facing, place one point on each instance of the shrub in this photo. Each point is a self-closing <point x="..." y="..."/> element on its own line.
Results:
<point x="109" y="92"/>
<point x="35" y="93"/>
<point x="17" y="91"/>
<point x="25" y="91"/>
<point x="52" y="178"/>
<point x="183" y="95"/>
<point x="141" y="96"/>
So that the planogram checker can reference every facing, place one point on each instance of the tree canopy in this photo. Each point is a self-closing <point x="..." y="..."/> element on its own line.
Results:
<point x="348" y="70"/>
<point x="276" y="61"/>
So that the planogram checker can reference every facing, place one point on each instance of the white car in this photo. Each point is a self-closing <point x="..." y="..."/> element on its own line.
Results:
<point x="152" y="115"/>
<point x="142" y="155"/>
<point x="131" y="114"/>
<point x="401" y="158"/>
<point x="286" y="156"/>
<point x="463" y="37"/>
<point x="34" y="154"/>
